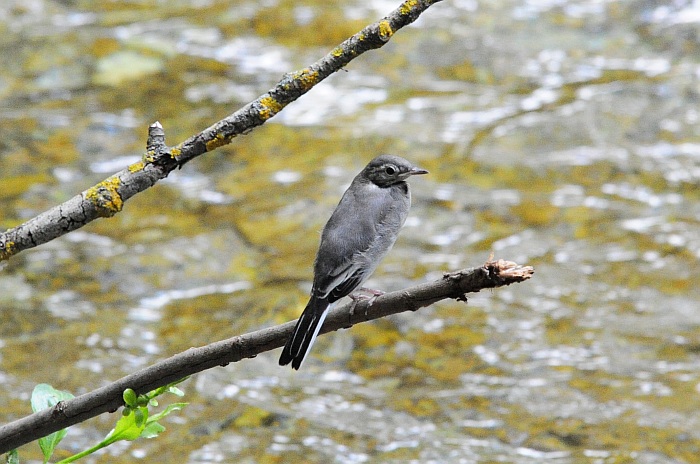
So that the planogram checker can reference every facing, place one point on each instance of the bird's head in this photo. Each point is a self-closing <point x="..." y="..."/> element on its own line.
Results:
<point x="386" y="170"/>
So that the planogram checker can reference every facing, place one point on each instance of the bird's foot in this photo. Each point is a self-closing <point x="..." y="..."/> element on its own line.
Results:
<point x="373" y="294"/>
<point x="357" y="297"/>
<point x="372" y="291"/>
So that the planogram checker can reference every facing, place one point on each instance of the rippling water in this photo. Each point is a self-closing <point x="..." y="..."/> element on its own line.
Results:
<point x="562" y="135"/>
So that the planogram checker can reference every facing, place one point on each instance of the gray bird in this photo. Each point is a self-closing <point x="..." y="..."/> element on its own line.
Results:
<point x="360" y="232"/>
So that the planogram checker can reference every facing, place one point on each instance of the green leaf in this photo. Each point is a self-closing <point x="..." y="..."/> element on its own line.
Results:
<point x="128" y="427"/>
<point x="152" y="430"/>
<point x="170" y="408"/>
<point x="136" y="422"/>
<point x="170" y="388"/>
<point x="175" y="391"/>
<point x="49" y="443"/>
<point x="45" y="396"/>
<point x="12" y="457"/>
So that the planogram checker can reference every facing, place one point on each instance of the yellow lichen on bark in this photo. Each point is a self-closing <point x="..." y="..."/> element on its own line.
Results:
<point x="385" y="30"/>
<point x="270" y="107"/>
<point x="306" y="78"/>
<point x="218" y="141"/>
<point x="105" y="197"/>
<point x="7" y="251"/>
<point x="136" y="167"/>
<point x="407" y="6"/>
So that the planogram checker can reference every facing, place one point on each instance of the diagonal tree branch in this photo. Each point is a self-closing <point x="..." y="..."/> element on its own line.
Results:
<point x="107" y="197"/>
<point x="453" y="285"/>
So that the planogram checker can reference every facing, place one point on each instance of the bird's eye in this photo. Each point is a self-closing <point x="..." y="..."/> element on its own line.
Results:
<point x="390" y="170"/>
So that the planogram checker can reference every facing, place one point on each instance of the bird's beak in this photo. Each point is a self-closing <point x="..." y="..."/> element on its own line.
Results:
<point x="416" y="170"/>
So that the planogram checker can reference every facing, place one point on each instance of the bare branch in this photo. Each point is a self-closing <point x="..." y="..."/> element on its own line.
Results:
<point x="107" y="197"/>
<point x="454" y="285"/>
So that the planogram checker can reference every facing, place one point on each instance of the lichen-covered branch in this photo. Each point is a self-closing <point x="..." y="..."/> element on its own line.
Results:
<point x="107" y="198"/>
<point x="454" y="285"/>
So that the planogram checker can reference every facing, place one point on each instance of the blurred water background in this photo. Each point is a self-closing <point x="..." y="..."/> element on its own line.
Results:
<point x="559" y="134"/>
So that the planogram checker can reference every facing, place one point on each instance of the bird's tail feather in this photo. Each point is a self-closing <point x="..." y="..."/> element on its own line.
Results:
<point x="299" y="344"/>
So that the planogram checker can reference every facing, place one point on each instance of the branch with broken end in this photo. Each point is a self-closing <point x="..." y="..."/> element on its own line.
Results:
<point x="453" y="285"/>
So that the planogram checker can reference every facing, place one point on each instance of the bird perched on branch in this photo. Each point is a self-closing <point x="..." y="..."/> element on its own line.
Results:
<point x="360" y="232"/>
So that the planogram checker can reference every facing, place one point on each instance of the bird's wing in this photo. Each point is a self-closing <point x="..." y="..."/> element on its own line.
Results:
<point x="354" y="240"/>
<point x="340" y="281"/>
<point x="348" y="285"/>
